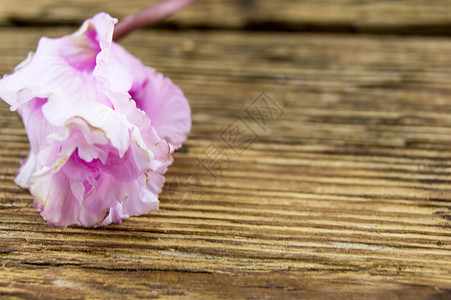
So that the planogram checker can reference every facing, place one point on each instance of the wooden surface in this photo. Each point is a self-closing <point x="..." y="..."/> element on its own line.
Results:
<point x="398" y="16"/>
<point x="345" y="194"/>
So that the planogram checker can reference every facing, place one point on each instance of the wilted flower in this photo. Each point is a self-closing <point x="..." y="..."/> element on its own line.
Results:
<point x="101" y="127"/>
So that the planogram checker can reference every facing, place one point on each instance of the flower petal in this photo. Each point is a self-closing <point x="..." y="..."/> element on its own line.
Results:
<point x="54" y="193"/>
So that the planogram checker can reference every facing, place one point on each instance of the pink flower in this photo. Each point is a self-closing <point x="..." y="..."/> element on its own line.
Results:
<point x="101" y="127"/>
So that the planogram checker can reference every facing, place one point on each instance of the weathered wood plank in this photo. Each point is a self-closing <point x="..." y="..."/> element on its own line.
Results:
<point x="337" y="15"/>
<point x="349" y="191"/>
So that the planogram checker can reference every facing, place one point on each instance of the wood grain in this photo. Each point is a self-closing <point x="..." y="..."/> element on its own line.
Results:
<point x="396" y="16"/>
<point x="347" y="194"/>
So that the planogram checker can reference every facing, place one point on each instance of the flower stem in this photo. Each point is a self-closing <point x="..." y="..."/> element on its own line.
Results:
<point x="148" y="16"/>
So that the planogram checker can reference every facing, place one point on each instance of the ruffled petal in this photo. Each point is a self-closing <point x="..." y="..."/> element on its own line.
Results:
<point x="166" y="106"/>
<point x="53" y="191"/>
<point x="141" y="200"/>
<point x="156" y="95"/>
<point x="27" y="170"/>
<point x="33" y="119"/>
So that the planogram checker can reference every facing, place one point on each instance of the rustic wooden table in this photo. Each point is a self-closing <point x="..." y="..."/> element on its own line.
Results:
<point x="339" y="187"/>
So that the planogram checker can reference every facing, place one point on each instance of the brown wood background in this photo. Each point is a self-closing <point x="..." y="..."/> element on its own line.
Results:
<point x="346" y="195"/>
<point x="406" y="16"/>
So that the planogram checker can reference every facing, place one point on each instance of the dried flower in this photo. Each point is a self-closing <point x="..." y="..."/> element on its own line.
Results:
<point x="101" y="127"/>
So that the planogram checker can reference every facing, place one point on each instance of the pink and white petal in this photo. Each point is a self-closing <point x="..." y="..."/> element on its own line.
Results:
<point x="27" y="170"/>
<point x="142" y="156"/>
<point x="78" y="189"/>
<point x="90" y="143"/>
<point x="123" y="168"/>
<point x="104" y="26"/>
<point x="112" y="124"/>
<point x="132" y="65"/>
<point x="141" y="200"/>
<point x="116" y="82"/>
<point x="161" y="100"/>
<point x="155" y="182"/>
<point x="159" y="147"/>
<point x="55" y="193"/>
<point x="77" y="169"/>
<point x="36" y="125"/>
<point x="59" y="65"/>
<point x="166" y="106"/>
<point x="45" y="74"/>
<point x="92" y="212"/>
<point x="81" y="49"/>
<point x="112" y="73"/>
<point x="115" y="216"/>
<point x="98" y="201"/>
